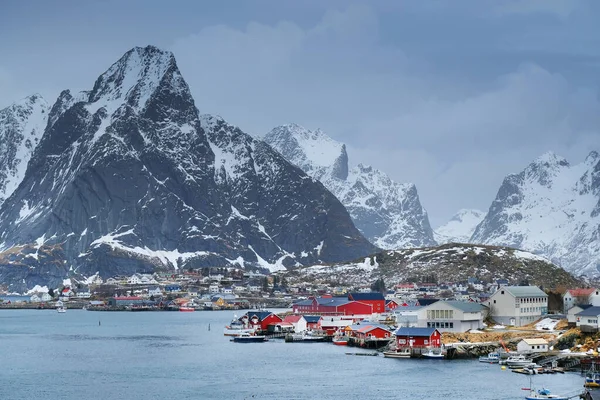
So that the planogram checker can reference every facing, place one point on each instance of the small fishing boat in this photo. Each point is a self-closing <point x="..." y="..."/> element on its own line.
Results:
<point x="186" y="309"/>
<point x="491" y="358"/>
<point x="340" y="340"/>
<point x="592" y="380"/>
<point x="543" y="394"/>
<point x="305" y="336"/>
<point x="61" y="309"/>
<point x="434" y="353"/>
<point x="518" y="361"/>
<point x="399" y="353"/>
<point x="249" y="338"/>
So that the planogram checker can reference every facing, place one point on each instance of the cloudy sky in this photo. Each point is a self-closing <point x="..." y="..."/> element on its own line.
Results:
<point x="450" y="95"/>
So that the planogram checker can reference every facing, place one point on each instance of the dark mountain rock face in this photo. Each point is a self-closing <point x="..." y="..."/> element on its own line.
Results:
<point x="129" y="178"/>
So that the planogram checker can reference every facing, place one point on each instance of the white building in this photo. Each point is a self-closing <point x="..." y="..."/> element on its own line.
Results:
<point x="213" y="289"/>
<point x="84" y="293"/>
<point x="588" y="318"/>
<point x="532" y="346"/>
<point x="45" y="297"/>
<point x="518" y="305"/>
<point x="572" y="314"/>
<point x="35" y="298"/>
<point x="452" y="316"/>
<point x="580" y="296"/>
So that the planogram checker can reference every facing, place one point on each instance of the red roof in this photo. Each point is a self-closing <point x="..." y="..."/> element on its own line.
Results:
<point x="292" y="318"/>
<point x="581" y="292"/>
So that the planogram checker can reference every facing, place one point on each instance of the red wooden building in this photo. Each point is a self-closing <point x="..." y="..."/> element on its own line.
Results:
<point x="328" y="305"/>
<point x="371" y="331"/>
<point x="418" y="337"/>
<point x="260" y="319"/>
<point x="391" y="305"/>
<point x="375" y="299"/>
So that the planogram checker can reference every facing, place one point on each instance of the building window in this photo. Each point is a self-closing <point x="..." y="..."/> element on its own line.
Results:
<point x="451" y="325"/>
<point x="502" y="292"/>
<point x="494" y="301"/>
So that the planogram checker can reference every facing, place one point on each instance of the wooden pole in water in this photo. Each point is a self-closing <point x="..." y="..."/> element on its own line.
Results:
<point x="209" y="327"/>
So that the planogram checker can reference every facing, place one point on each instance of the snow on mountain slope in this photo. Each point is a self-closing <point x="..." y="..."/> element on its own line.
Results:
<point x="128" y="177"/>
<point x="388" y="213"/>
<point x="551" y="208"/>
<point x="21" y="127"/>
<point x="460" y="228"/>
<point x="448" y="263"/>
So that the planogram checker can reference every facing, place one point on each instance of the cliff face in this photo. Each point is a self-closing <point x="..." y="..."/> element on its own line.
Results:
<point x="128" y="177"/>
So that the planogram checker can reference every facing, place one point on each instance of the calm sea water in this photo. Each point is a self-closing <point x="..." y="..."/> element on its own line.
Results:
<point x="172" y="355"/>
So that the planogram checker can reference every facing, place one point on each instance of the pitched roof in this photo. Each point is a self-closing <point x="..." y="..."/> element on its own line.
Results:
<point x="524" y="291"/>
<point x="292" y="318"/>
<point x="426" y="302"/>
<point x="589" y="312"/>
<point x="259" y="314"/>
<point x="535" y="341"/>
<point x="312" y="319"/>
<point x="332" y="301"/>
<point x="465" y="306"/>
<point x="581" y="291"/>
<point x="304" y="302"/>
<point x="366" y="296"/>
<point x="404" y="331"/>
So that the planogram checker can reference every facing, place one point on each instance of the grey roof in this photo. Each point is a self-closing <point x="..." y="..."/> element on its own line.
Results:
<point x="404" y="331"/>
<point x="464" y="306"/>
<point x="589" y="312"/>
<point x="524" y="291"/>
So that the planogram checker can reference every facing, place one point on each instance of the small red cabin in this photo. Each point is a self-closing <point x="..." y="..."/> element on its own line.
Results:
<point x="418" y="337"/>
<point x="260" y="319"/>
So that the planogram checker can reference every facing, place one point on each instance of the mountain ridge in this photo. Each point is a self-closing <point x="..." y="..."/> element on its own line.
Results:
<point x="388" y="213"/>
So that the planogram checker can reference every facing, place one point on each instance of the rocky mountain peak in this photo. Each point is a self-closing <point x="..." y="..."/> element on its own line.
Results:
<point x="388" y="213"/>
<point x="129" y="178"/>
<point x="142" y="74"/>
<point x="550" y="208"/>
<point x="460" y="227"/>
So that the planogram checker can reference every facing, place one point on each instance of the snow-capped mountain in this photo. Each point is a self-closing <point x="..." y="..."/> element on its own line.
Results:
<point x="128" y="177"/>
<point x="21" y="127"/>
<point x="551" y="208"/>
<point x="460" y="228"/>
<point x="389" y="214"/>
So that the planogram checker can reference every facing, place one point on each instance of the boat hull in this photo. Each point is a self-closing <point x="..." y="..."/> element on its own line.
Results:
<point x="396" y="354"/>
<point x="249" y="339"/>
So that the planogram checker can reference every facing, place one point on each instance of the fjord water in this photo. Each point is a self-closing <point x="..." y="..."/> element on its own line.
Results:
<point x="172" y="355"/>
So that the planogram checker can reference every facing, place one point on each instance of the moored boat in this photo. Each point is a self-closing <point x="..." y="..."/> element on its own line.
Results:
<point x="491" y="358"/>
<point x="400" y="353"/>
<point x="518" y="361"/>
<point x="340" y="341"/>
<point x="433" y="353"/>
<point x="186" y="308"/>
<point x="249" y="338"/>
<point x="61" y="309"/>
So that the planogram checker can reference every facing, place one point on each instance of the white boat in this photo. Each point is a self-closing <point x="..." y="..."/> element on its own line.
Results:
<point x="307" y="336"/>
<point x="491" y="358"/>
<point x="237" y="327"/>
<point x="61" y="309"/>
<point x="435" y="353"/>
<point x="518" y="361"/>
<point x="399" y="353"/>
<point x="544" y="393"/>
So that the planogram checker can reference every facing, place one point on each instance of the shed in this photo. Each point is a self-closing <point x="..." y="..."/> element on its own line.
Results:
<point x="537" y="345"/>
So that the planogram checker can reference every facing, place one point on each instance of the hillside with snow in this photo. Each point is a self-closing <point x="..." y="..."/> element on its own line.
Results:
<point x="447" y="263"/>
<point x="551" y="208"/>
<point x="460" y="228"/>
<point x="388" y="213"/>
